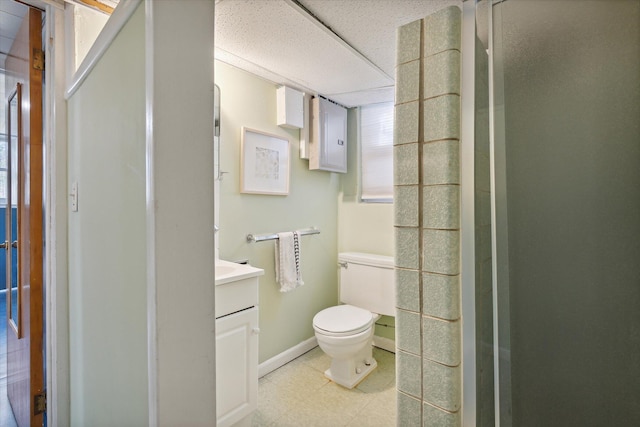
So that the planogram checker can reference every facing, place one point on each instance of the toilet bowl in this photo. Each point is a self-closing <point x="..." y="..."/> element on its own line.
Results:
<point x="345" y="332"/>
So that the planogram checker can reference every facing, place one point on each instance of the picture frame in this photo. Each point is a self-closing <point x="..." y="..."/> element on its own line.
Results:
<point x="264" y="164"/>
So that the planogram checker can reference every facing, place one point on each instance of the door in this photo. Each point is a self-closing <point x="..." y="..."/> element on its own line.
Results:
<point x="25" y="369"/>
<point x="569" y="276"/>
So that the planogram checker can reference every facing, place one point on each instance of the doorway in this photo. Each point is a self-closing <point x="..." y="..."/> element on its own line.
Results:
<point x="6" y="414"/>
<point x="21" y="180"/>
<point x="8" y="256"/>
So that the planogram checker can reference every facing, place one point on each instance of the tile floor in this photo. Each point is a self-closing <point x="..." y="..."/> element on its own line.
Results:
<point x="298" y="394"/>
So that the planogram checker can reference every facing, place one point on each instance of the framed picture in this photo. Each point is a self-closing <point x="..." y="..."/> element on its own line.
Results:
<point x="264" y="163"/>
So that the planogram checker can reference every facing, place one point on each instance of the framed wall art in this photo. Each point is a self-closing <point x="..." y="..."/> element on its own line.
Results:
<point x="264" y="163"/>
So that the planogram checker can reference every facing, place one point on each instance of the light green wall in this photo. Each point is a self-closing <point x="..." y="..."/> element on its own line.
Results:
<point x="326" y="200"/>
<point x="107" y="252"/>
<point x="285" y="318"/>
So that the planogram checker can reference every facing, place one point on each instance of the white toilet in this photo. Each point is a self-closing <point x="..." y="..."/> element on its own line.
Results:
<point x="345" y="332"/>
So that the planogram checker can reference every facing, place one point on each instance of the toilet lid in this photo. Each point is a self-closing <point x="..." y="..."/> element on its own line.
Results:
<point x="343" y="318"/>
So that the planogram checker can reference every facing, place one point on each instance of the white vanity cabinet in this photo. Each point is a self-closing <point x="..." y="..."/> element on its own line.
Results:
<point x="236" y="343"/>
<point x="236" y="366"/>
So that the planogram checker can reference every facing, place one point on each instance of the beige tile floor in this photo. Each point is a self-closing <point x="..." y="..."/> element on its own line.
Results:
<point x="298" y="394"/>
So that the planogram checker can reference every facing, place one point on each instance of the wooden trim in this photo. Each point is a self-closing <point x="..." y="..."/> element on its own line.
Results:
<point x="35" y="218"/>
<point x="95" y="4"/>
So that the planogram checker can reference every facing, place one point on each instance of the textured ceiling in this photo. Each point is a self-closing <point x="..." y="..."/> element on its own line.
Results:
<point x="342" y="49"/>
<point x="370" y="25"/>
<point x="11" y="14"/>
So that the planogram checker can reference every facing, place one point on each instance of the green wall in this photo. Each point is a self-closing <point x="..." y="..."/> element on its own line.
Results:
<point x="107" y="249"/>
<point x="285" y="318"/>
<point x="322" y="199"/>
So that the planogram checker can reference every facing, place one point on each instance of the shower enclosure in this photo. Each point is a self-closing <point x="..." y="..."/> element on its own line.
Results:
<point x="556" y="205"/>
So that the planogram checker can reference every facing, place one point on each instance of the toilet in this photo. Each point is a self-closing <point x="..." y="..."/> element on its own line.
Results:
<point x="345" y="332"/>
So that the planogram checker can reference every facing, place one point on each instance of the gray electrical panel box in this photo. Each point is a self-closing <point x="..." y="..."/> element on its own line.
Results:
<point x="328" y="136"/>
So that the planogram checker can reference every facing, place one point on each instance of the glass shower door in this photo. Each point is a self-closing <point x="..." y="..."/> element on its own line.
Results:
<point x="566" y="155"/>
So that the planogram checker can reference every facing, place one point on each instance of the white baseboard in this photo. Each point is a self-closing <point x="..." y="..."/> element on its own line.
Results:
<point x="298" y="350"/>
<point x="384" y="343"/>
<point x="286" y="356"/>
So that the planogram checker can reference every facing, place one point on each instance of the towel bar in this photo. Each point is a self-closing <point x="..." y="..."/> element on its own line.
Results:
<point x="252" y="238"/>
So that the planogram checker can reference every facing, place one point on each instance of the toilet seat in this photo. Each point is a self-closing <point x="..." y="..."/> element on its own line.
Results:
<point x="342" y="320"/>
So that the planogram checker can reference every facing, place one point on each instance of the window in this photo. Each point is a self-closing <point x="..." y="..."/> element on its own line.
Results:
<point x="376" y="152"/>
<point x="3" y="170"/>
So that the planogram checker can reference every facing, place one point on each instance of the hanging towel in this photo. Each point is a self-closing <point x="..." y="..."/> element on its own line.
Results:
<point x="288" y="273"/>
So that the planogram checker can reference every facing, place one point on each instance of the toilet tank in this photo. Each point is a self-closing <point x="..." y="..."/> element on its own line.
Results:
<point x="368" y="281"/>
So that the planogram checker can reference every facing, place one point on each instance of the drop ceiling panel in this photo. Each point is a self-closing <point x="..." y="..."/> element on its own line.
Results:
<point x="370" y="26"/>
<point x="13" y="8"/>
<point x="365" y="97"/>
<point x="9" y="24"/>
<point x="5" y="43"/>
<point x="275" y="36"/>
<point x="11" y="14"/>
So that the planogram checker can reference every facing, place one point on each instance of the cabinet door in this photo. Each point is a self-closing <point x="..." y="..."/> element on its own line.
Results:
<point x="236" y="366"/>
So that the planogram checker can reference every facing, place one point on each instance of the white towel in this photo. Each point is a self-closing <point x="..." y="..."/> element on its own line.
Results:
<point x="288" y="261"/>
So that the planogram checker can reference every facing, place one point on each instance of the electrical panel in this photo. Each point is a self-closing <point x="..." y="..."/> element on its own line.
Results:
<point x="328" y="136"/>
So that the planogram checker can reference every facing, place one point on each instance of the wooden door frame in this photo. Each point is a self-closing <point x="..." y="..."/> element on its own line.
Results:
<point x="26" y="343"/>
<point x="57" y="30"/>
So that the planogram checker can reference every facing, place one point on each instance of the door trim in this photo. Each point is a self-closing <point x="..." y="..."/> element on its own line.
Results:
<point x="467" y="214"/>
<point x="55" y="221"/>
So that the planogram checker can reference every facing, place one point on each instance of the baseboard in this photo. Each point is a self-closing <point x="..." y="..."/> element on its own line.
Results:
<point x="384" y="343"/>
<point x="286" y="356"/>
<point x="298" y="350"/>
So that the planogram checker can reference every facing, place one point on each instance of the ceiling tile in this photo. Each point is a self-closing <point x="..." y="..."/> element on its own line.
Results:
<point x="5" y="44"/>
<point x="13" y="8"/>
<point x="276" y="37"/>
<point x="9" y="24"/>
<point x="370" y="26"/>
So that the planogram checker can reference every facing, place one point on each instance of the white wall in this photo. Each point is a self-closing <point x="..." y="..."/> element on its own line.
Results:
<point x="363" y="227"/>
<point x="107" y="250"/>
<point x="368" y="227"/>
<point x="87" y="24"/>
<point x="180" y="211"/>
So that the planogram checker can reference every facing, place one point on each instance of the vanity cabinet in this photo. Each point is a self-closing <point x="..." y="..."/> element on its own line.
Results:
<point x="236" y="343"/>
<point x="237" y="366"/>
